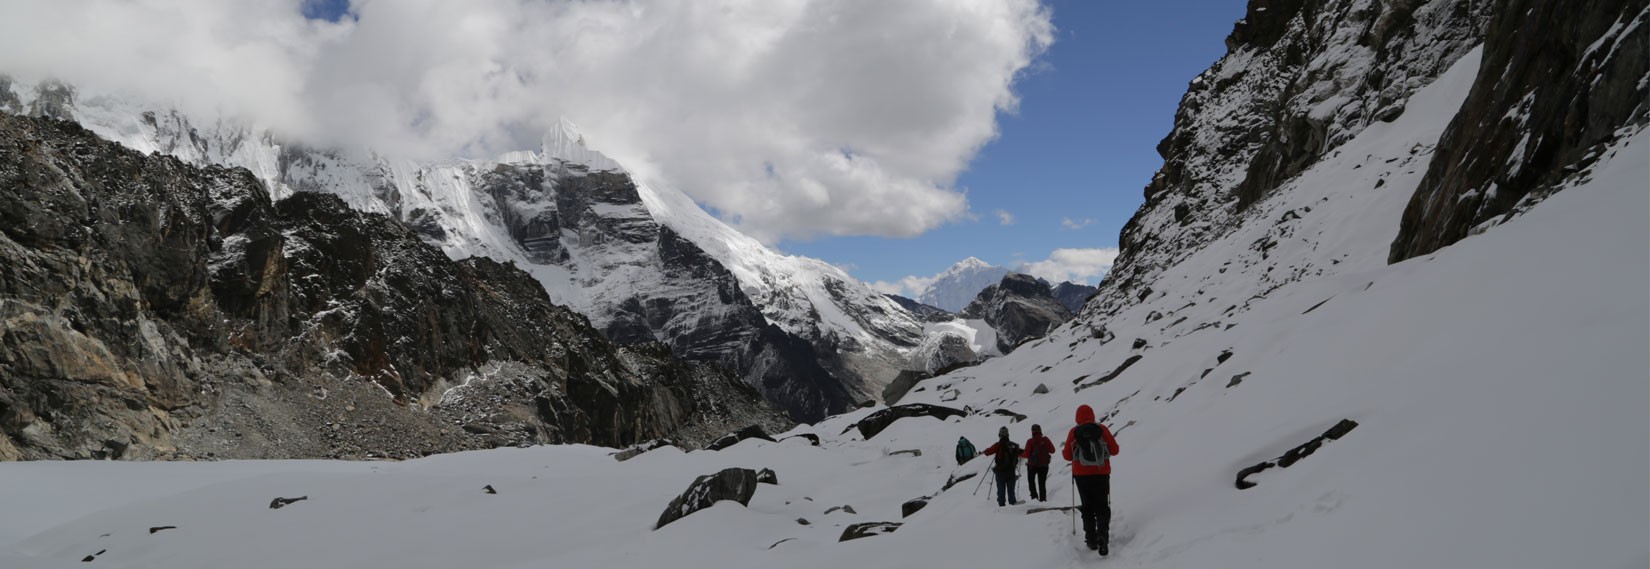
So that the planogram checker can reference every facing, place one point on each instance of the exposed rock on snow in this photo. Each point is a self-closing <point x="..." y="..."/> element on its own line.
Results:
<point x="913" y="506"/>
<point x="876" y="422"/>
<point x="1296" y="454"/>
<point x="637" y="450"/>
<point x="737" y="484"/>
<point x="868" y="529"/>
<point x="767" y="476"/>
<point x="733" y="438"/>
<point x="279" y="503"/>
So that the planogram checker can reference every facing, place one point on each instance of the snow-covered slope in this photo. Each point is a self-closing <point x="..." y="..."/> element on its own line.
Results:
<point x="643" y="263"/>
<point x="959" y="284"/>
<point x="1500" y="416"/>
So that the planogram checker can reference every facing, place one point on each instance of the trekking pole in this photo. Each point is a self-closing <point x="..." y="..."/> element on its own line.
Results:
<point x="979" y="484"/>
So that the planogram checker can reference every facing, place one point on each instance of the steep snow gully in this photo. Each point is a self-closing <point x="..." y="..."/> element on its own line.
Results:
<point x="1498" y="387"/>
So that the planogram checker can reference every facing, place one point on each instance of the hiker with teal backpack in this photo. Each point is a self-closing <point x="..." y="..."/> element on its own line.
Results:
<point x="965" y="450"/>
<point x="1089" y="447"/>
<point x="1005" y="467"/>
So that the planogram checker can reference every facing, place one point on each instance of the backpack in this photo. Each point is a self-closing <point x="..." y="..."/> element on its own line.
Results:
<point x="1039" y="452"/>
<point x="1089" y="442"/>
<point x="965" y="450"/>
<point x="1008" y="456"/>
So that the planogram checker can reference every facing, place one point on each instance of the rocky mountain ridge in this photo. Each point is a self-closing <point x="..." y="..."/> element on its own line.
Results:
<point x="644" y="264"/>
<point x="1020" y="308"/>
<point x="155" y="309"/>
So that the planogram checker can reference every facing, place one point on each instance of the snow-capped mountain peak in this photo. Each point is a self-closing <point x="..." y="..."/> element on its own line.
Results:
<point x="958" y="285"/>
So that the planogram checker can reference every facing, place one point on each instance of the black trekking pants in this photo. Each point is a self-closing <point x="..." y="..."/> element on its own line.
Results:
<point x="1037" y="479"/>
<point x="1095" y="492"/>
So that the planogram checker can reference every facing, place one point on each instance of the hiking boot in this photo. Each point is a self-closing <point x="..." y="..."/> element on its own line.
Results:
<point x="1094" y="545"/>
<point x="1102" y="549"/>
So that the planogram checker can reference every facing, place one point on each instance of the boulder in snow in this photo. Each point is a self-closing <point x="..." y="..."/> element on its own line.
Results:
<point x="876" y="422"/>
<point x="733" y="438"/>
<point x="737" y="484"/>
<point x="867" y="529"/>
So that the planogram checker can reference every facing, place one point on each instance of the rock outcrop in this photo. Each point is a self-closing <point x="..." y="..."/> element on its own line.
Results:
<point x="737" y="484"/>
<point x="922" y="311"/>
<point x="1299" y="79"/>
<point x="867" y="529"/>
<point x="1539" y="112"/>
<point x="733" y="438"/>
<point x="149" y="305"/>
<point x="1073" y="296"/>
<point x="876" y="422"/>
<point x="1020" y="308"/>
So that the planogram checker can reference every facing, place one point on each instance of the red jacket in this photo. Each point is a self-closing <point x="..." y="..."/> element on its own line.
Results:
<point x="1034" y="443"/>
<point x="1085" y="415"/>
<point x="995" y="448"/>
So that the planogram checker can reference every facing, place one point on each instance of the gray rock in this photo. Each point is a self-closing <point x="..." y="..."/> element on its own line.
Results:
<point x="279" y="503"/>
<point x="733" y="438"/>
<point x="876" y="422"/>
<point x="867" y="529"/>
<point x="1021" y="308"/>
<point x="842" y="508"/>
<point x="767" y="476"/>
<point x="737" y="484"/>
<point x="912" y="506"/>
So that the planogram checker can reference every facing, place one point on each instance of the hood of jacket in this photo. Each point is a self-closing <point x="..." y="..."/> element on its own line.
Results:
<point x="1085" y="414"/>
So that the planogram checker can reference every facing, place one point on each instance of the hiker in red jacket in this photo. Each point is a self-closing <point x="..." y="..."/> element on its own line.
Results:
<point x="1089" y="447"/>
<point x="1039" y="449"/>
<point x="1005" y="467"/>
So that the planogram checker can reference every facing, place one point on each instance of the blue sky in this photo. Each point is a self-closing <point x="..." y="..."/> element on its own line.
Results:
<point x="1081" y="147"/>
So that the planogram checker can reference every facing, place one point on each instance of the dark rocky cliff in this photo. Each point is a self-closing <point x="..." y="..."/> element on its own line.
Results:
<point x="1299" y="79"/>
<point x="154" y="309"/>
<point x="1020" y="307"/>
<point x="1559" y="80"/>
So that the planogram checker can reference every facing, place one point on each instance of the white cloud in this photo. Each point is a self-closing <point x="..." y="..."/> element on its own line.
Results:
<point x="1070" y="223"/>
<point x="1004" y="217"/>
<point x="1075" y="265"/>
<point x="909" y="287"/>
<point x="793" y="117"/>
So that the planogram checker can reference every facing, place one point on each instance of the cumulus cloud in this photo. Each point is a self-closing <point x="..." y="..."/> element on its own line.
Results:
<point x="1004" y="217"/>
<point x="793" y="118"/>
<point x="909" y="287"/>
<point x="1075" y="265"/>
<point x="1070" y="223"/>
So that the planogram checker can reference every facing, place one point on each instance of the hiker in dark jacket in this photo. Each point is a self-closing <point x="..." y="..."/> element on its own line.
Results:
<point x="1092" y="475"/>
<point x="1006" y="466"/>
<point x="965" y="450"/>
<point x="1039" y="451"/>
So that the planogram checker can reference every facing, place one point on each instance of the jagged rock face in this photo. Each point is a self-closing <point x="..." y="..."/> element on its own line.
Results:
<point x="1020" y="308"/>
<point x="1539" y="112"/>
<point x="942" y="350"/>
<point x="1299" y="80"/>
<point x="643" y="265"/>
<point x="149" y="303"/>
<point x="922" y="311"/>
<point x="1073" y="296"/>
